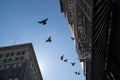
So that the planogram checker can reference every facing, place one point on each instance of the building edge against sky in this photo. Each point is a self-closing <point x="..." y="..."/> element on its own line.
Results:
<point x="80" y="23"/>
<point x="21" y="61"/>
<point x="89" y="22"/>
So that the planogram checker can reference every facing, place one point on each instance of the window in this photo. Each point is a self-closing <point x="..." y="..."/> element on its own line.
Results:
<point x="10" y="59"/>
<point x="17" y="58"/>
<point x="7" y="55"/>
<point x="17" y="71"/>
<point x="30" y="57"/>
<point x="1" y="55"/>
<point x="12" y="54"/>
<point x="34" y="68"/>
<point x="86" y="7"/>
<point x="21" y="58"/>
<point x="14" y="65"/>
<point x="7" y="66"/>
<point x="18" y="53"/>
<point x="5" y="60"/>
<point x="20" y="64"/>
<point x="2" y="67"/>
<point x="23" y="52"/>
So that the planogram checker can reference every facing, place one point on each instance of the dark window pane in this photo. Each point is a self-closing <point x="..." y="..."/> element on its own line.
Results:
<point x="5" y="60"/>
<point x="18" y="53"/>
<point x="17" y="58"/>
<point x="7" y="55"/>
<point x="12" y="54"/>
<point x="21" y="58"/>
<point x="23" y="52"/>
<point x="1" y="55"/>
<point x="10" y="59"/>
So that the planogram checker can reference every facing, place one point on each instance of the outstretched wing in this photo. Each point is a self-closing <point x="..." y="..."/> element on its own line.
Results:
<point x="43" y="21"/>
<point x="40" y="21"/>
<point x="46" y="19"/>
<point x="49" y="39"/>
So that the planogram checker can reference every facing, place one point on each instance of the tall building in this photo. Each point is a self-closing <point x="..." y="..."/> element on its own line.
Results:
<point x="113" y="61"/>
<point x="18" y="62"/>
<point x="80" y="23"/>
<point x="90" y="22"/>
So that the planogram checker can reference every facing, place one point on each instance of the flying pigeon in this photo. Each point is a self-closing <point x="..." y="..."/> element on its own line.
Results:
<point x="72" y="63"/>
<point x="43" y="21"/>
<point x="49" y="39"/>
<point x="77" y="73"/>
<point x="62" y="57"/>
<point x="72" y="38"/>
<point x="65" y="60"/>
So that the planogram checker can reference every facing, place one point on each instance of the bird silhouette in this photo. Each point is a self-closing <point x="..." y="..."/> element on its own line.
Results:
<point x="77" y="73"/>
<point x="65" y="60"/>
<point x="62" y="57"/>
<point x="43" y="21"/>
<point x="72" y="38"/>
<point x="72" y="63"/>
<point x="49" y="39"/>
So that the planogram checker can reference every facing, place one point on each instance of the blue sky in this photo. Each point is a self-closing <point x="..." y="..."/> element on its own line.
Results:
<point x="18" y="23"/>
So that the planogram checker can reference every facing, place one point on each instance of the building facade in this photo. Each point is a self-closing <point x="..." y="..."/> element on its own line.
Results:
<point x="79" y="17"/>
<point x="90" y="22"/>
<point x="18" y="62"/>
<point x="102" y="13"/>
<point x="113" y="61"/>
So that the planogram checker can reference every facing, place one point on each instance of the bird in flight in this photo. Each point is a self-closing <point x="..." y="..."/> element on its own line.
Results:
<point x="77" y="73"/>
<point x="43" y="21"/>
<point x="62" y="57"/>
<point x="72" y="63"/>
<point x="49" y="39"/>
<point x="72" y="38"/>
<point x="65" y="60"/>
